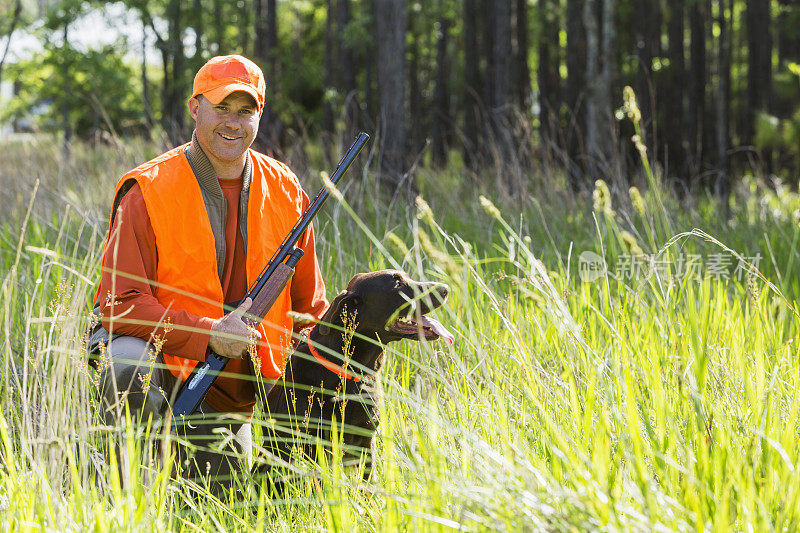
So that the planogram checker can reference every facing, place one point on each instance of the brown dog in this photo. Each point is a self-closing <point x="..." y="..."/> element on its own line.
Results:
<point x="333" y="377"/>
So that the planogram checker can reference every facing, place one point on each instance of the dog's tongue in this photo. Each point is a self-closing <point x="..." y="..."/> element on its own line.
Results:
<point x="439" y="329"/>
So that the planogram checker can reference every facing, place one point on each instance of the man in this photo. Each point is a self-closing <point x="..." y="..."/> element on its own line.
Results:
<point x="189" y="231"/>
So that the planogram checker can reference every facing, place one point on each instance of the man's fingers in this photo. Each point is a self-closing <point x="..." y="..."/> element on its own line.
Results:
<point x="254" y="333"/>
<point x="243" y="307"/>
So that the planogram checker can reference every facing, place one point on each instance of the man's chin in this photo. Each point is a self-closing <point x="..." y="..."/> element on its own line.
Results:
<point x="225" y="154"/>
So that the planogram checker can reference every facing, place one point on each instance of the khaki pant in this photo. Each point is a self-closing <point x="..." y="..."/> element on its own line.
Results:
<point x="132" y="374"/>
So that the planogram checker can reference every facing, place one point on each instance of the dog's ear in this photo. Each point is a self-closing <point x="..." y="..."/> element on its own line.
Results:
<point x="334" y="313"/>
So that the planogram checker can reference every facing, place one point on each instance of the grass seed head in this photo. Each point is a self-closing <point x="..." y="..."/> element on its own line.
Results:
<point x="631" y="107"/>
<point x="637" y="200"/>
<point x="397" y="243"/>
<point x="631" y="245"/>
<point x="489" y="207"/>
<point x="424" y="211"/>
<point x="602" y="198"/>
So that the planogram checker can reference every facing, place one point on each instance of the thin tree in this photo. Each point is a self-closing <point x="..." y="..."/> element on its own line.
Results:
<point x="722" y="101"/>
<point x="266" y="40"/>
<point x="696" y="89"/>
<point x="441" y="100"/>
<point x="788" y="36"/>
<point x="472" y="83"/>
<point x="346" y="66"/>
<point x="548" y="77"/>
<point x="390" y="27"/>
<point x="644" y="44"/>
<point x="416" y="134"/>
<point x="500" y="78"/>
<point x="16" y="15"/>
<point x="673" y="105"/>
<point x="599" y="67"/>
<point x="327" y="83"/>
<point x="148" y="115"/>
<point x="759" y="62"/>
<point x="521" y="70"/>
<point x="576" y="92"/>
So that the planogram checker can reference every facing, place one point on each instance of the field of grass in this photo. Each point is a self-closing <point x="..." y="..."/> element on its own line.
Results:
<point x="658" y="392"/>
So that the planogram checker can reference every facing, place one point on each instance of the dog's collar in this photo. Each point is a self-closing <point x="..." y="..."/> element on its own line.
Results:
<point x="336" y="369"/>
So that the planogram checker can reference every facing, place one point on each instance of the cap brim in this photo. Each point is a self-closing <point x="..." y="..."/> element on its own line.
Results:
<point x="217" y="95"/>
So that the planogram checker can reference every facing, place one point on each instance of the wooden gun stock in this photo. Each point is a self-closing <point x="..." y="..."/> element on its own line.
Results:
<point x="266" y="297"/>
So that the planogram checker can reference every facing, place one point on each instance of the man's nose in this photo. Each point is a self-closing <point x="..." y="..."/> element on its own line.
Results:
<point x="233" y="121"/>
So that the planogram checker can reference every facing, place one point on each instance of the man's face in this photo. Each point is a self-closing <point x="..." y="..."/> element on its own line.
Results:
<point x="227" y="129"/>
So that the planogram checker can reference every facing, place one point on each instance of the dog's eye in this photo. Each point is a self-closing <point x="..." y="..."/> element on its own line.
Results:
<point x="398" y="282"/>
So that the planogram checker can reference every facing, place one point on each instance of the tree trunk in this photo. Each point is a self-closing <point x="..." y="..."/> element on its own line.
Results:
<point x="486" y="51"/>
<point x="608" y="75"/>
<point x="759" y="62"/>
<point x="328" y="70"/>
<point x="500" y="80"/>
<point x="219" y="28"/>
<point x="644" y="53"/>
<point x="441" y="101"/>
<point x="722" y="185"/>
<point x="697" y="85"/>
<point x="592" y="73"/>
<point x="417" y="132"/>
<point x="472" y="84"/>
<point x="522" y="74"/>
<point x="390" y="26"/>
<point x="65" y="110"/>
<point x="12" y="26"/>
<point x="328" y="125"/>
<point x="173" y="93"/>
<point x="197" y="6"/>
<point x="600" y="63"/>
<point x="369" y="68"/>
<point x="548" y="76"/>
<point x="270" y="126"/>
<point x="272" y="36"/>
<point x="347" y="81"/>
<point x="575" y="91"/>
<point x="674" y="158"/>
<point x="788" y="37"/>
<point x="148" y="115"/>
<point x="245" y="34"/>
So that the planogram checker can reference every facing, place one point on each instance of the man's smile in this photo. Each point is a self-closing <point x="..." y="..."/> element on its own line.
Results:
<point x="228" y="137"/>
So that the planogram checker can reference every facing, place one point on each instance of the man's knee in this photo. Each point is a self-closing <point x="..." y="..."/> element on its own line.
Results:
<point x="132" y="375"/>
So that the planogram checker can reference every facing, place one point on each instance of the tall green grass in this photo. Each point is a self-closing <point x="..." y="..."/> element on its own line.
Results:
<point x="649" y="402"/>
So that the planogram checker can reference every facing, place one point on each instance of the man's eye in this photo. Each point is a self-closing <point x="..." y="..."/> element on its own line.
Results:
<point x="222" y="109"/>
<point x="246" y="112"/>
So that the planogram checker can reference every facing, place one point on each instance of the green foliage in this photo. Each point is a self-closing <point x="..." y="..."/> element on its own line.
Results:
<point x="93" y="87"/>
<point x="768" y="131"/>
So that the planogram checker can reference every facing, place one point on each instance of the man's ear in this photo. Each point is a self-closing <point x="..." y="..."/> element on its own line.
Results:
<point x="334" y="313"/>
<point x="194" y="105"/>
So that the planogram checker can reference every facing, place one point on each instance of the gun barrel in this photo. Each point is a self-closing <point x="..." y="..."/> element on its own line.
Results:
<point x="308" y="215"/>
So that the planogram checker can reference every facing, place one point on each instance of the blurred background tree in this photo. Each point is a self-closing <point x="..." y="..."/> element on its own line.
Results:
<point x="501" y="87"/>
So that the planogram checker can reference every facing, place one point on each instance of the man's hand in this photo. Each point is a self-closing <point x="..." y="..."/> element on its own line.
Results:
<point x="230" y="336"/>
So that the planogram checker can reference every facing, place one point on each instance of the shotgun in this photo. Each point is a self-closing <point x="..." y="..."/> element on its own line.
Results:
<point x="264" y="292"/>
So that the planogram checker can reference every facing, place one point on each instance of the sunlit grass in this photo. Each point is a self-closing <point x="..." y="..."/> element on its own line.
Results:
<point x="643" y="401"/>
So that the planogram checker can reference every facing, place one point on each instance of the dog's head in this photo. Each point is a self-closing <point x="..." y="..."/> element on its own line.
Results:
<point x="389" y="304"/>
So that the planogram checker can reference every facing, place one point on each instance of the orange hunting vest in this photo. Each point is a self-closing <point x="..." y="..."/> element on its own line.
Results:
<point x="187" y="276"/>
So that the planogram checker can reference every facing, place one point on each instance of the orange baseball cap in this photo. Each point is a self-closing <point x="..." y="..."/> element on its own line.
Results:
<point x="222" y="75"/>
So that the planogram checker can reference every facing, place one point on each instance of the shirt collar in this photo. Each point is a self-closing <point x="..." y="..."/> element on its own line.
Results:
<point x="204" y="171"/>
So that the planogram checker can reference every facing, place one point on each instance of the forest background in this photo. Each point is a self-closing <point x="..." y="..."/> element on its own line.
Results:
<point x="511" y="84"/>
<point x="609" y="188"/>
